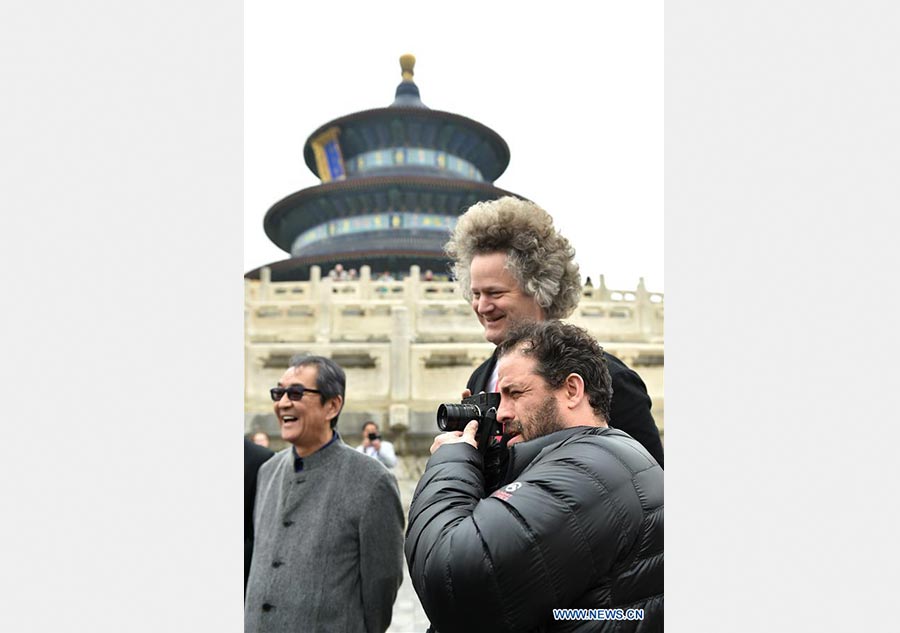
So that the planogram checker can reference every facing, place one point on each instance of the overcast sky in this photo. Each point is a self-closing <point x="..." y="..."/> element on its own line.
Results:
<point x="578" y="98"/>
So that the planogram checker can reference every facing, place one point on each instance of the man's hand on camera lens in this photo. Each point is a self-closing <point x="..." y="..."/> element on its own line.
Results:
<point x="455" y="437"/>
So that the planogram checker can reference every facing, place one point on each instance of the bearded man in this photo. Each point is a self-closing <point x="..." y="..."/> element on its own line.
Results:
<point x="577" y="522"/>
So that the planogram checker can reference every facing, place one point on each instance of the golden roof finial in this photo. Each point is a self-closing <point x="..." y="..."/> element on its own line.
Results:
<point x="407" y="63"/>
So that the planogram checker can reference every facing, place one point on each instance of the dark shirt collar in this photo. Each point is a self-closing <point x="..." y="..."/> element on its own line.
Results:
<point x="298" y="461"/>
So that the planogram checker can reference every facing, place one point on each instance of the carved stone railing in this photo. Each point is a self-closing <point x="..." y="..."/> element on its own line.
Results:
<point x="410" y="345"/>
<point x="324" y="310"/>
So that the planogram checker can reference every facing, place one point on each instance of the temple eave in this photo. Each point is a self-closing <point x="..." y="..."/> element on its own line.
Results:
<point x="408" y="117"/>
<point x="315" y="205"/>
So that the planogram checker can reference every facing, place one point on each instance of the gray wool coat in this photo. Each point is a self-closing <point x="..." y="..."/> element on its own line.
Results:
<point x="328" y="547"/>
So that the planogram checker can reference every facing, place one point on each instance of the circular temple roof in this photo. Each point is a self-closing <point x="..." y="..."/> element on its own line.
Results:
<point x="468" y="157"/>
<point x="383" y="128"/>
<point x="316" y="205"/>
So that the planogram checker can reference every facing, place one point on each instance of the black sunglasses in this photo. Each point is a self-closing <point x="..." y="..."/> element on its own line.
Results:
<point x="294" y="392"/>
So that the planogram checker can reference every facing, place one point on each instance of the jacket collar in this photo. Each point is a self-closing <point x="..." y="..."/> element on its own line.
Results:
<point x="522" y="454"/>
<point x="319" y="458"/>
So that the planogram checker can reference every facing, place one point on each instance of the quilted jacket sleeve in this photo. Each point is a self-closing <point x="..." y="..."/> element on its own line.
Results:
<point x="503" y="563"/>
<point x="631" y="405"/>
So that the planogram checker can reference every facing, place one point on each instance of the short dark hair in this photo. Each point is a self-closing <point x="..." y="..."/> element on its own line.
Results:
<point x="331" y="380"/>
<point x="560" y="349"/>
<point x="367" y="423"/>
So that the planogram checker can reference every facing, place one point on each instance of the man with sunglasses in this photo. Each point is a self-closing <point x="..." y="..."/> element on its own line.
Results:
<point x="328" y="549"/>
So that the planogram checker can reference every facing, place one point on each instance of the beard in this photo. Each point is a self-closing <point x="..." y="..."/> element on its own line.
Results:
<point x="543" y="421"/>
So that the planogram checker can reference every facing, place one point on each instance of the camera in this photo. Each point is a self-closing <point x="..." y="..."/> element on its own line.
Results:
<point x="374" y="436"/>
<point x="481" y="407"/>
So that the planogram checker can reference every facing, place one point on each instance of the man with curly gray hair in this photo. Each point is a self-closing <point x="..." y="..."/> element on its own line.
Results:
<point x="513" y="265"/>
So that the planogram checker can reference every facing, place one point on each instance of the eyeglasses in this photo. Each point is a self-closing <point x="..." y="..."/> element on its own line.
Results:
<point x="294" y="392"/>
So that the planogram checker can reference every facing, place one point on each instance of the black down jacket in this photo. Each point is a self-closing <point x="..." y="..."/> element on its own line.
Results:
<point x="577" y="524"/>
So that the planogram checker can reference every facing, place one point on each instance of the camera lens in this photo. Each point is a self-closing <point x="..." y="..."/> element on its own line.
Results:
<point x="454" y="417"/>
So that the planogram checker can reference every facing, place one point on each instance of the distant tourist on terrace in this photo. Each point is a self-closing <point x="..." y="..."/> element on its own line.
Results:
<point x="338" y="273"/>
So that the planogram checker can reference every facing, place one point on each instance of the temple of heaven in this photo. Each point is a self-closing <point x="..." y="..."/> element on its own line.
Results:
<point x="394" y="180"/>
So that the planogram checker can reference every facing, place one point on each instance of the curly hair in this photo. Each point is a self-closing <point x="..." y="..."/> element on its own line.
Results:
<point x="538" y="256"/>
<point x="560" y="349"/>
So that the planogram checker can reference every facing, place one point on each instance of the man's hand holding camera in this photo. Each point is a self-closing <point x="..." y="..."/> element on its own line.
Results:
<point x="474" y="421"/>
<point x="467" y="435"/>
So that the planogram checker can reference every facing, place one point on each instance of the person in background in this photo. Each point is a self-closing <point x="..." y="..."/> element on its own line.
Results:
<point x="254" y="457"/>
<point x="338" y="273"/>
<point x="374" y="446"/>
<point x="429" y="276"/>
<point x="261" y="438"/>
